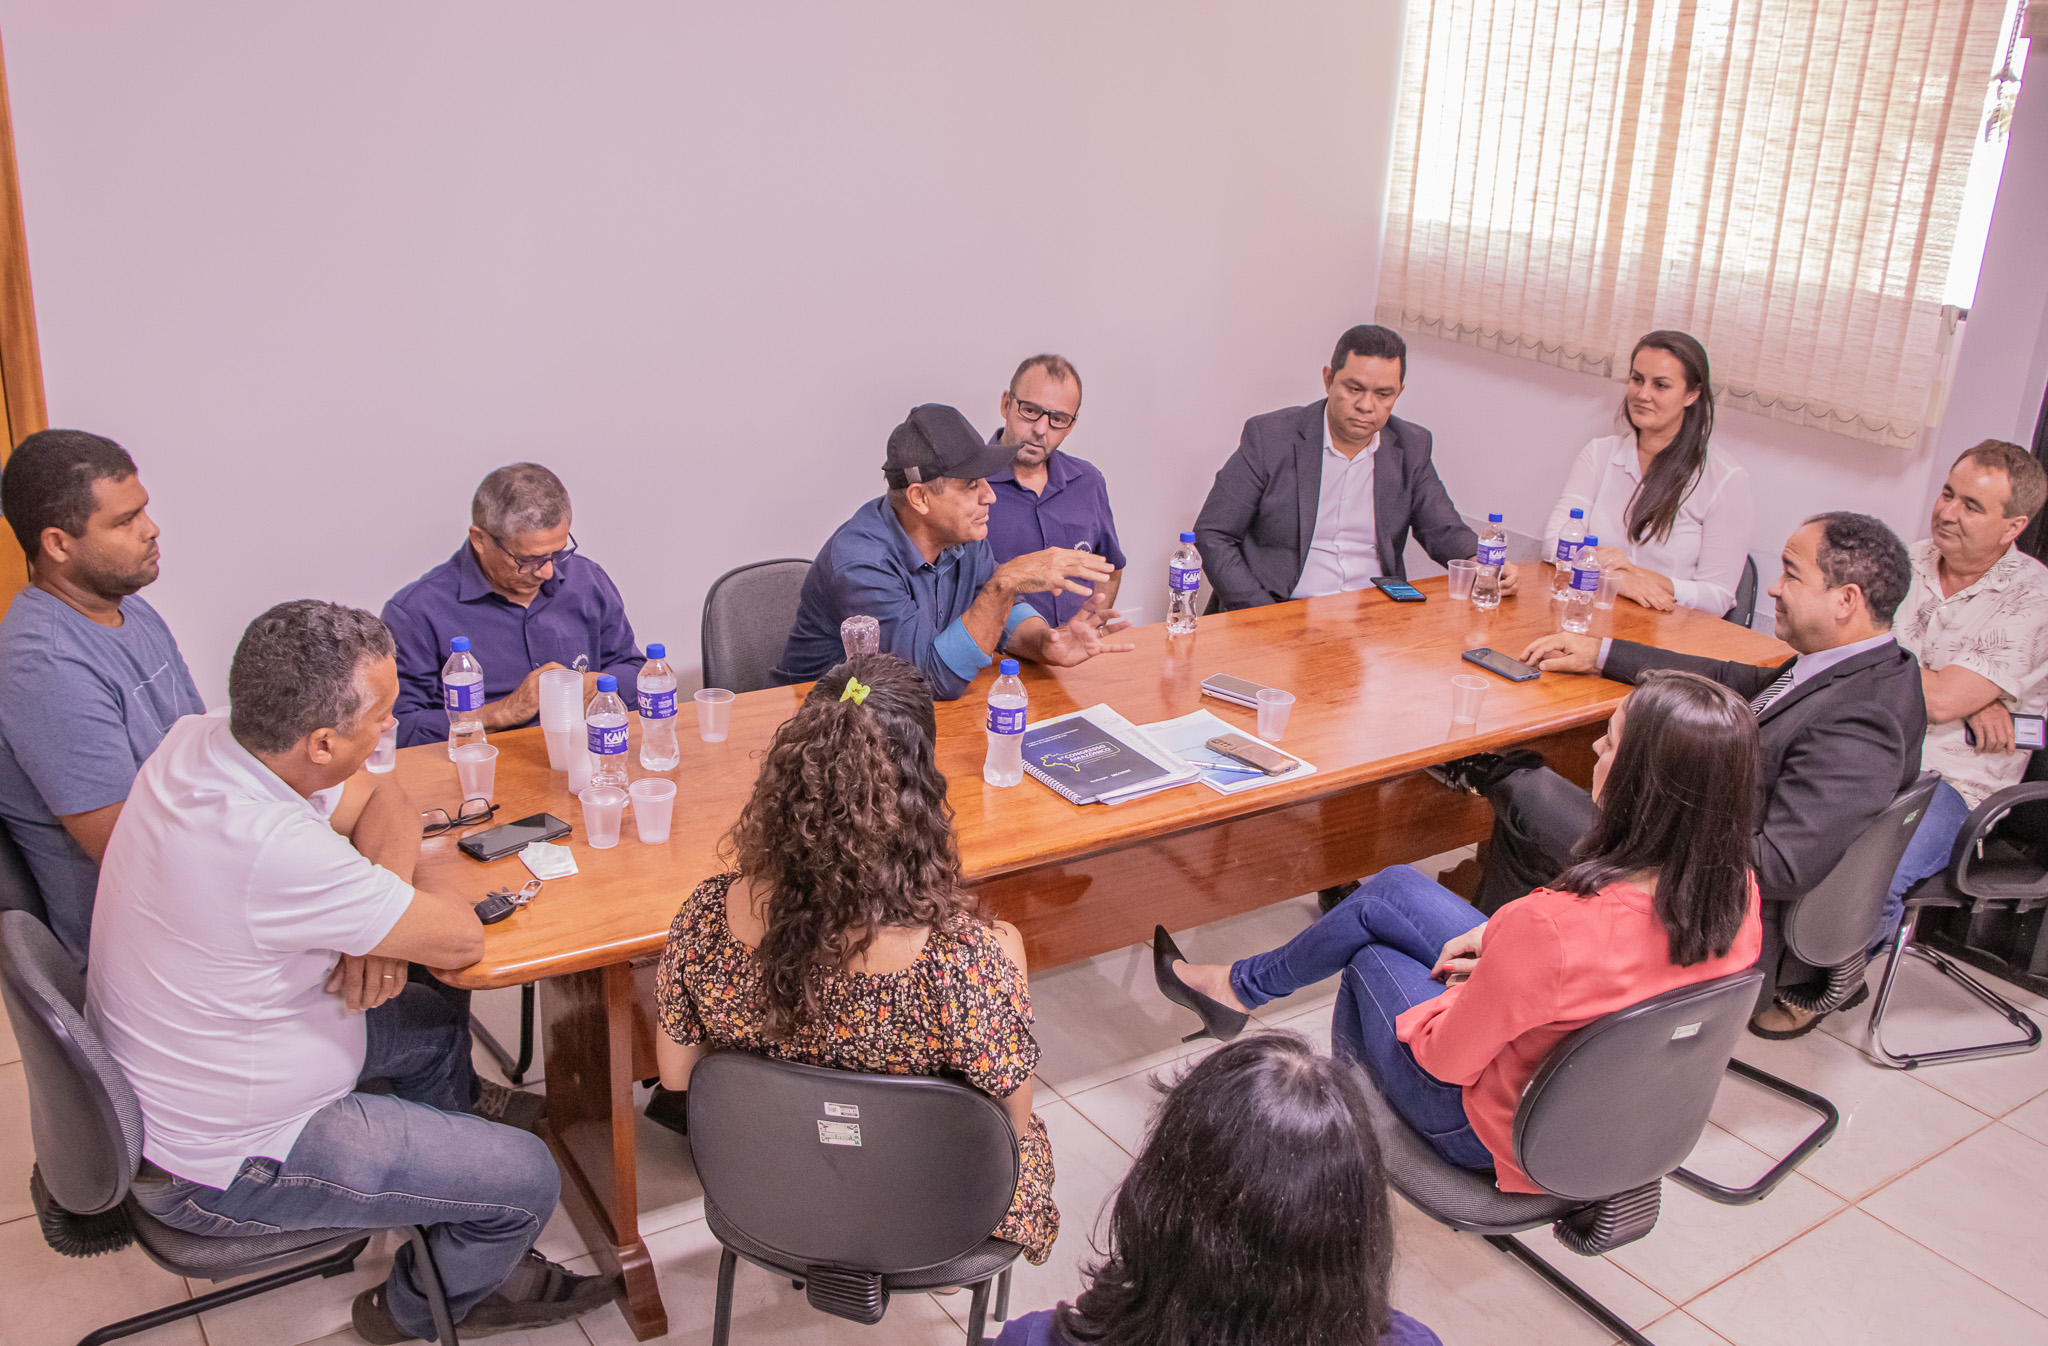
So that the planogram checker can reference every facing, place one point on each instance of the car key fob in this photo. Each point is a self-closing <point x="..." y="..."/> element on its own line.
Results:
<point x="496" y="907"/>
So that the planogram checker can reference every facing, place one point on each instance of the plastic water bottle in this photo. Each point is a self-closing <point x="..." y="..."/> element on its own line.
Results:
<point x="1493" y="554"/>
<point x="1567" y="551"/>
<point x="606" y="717"/>
<point x="1007" y="704"/>
<point x="462" y="685"/>
<point x="657" y="687"/>
<point x="1578" y="608"/>
<point x="1183" y="586"/>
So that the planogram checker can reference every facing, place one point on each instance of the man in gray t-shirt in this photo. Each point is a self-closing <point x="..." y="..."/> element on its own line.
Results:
<point x="90" y="678"/>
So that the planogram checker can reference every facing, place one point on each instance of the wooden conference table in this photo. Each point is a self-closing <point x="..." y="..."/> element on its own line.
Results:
<point x="1373" y="683"/>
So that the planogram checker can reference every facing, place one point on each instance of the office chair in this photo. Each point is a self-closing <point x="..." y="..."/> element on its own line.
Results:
<point x="18" y="890"/>
<point x="748" y="614"/>
<point x="852" y="1186"/>
<point x="1997" y="873"/>
<point x="87" y="1130"/>
<point x="1615" y="1107"/>
<point x="1831" y="927"/>
<point x="1743" y="613"/>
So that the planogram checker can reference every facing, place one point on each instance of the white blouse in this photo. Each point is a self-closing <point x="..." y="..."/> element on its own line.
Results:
<point x="1709" y="539"/>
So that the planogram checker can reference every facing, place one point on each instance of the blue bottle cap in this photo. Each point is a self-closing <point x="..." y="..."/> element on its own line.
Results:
<point x="607" y="683"/>
<point x="1493" y="518"/>
<point x="1009" y="668"/>
<point x="1578" y="514"/>
<point x="1187" y="537"/>
<point x="458" y="644"/>
<point x="657" y="651"/>
<point x="1592" y="541"/>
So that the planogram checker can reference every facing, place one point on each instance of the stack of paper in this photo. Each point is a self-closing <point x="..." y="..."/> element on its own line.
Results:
<point x="1185" y="737"/>
<point x="1096" y="756"/>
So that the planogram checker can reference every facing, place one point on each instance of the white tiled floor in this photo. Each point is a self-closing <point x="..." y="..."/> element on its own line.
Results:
<point x="1924" y="1220"/>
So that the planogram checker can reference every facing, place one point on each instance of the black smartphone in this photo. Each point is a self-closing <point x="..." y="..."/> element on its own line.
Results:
<point x="495" y="843"/>
<point x="2026" y="733"/>
<point x="1493" y="661"/>
<point x="1399" y="590"/>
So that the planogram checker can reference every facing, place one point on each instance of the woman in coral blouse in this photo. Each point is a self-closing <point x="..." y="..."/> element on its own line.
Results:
<point x="1452" y="1013"/>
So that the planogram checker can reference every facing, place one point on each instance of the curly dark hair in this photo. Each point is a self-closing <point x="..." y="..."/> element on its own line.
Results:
<point x="1256" y="1214"/>
<point x="848" y="831"/>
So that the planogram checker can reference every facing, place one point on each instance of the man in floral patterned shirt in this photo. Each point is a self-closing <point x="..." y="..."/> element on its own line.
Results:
<point x="1977" y="618"/>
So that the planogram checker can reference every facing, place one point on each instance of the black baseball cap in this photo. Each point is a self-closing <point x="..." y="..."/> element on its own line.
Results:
<point x="935" y="440"/>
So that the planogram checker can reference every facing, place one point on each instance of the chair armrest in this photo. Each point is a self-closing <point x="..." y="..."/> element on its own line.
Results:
<point x="1979" y="826"/>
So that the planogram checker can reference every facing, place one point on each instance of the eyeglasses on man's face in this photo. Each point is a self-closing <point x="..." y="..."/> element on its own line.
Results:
<point x="531" y="565"/>
<point x="1031" y="411"/>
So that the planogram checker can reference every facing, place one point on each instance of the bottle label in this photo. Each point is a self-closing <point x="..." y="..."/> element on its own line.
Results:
<point x="1565" y="548"/>
<point x="465" y="695"/>
<point x="1586" y="578"/>
<point x="657" y="705"/>
<point x="1183" y="579"/>
<point x="1492" y="556"/>
<point x="607" y="740"/>
<point x="1006" y="719"/>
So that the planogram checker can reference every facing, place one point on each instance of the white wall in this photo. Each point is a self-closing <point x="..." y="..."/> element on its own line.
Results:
<point x="321" y="266"/>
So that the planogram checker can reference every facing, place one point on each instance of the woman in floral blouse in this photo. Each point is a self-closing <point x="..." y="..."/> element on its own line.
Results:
<point x="844" y="940"/>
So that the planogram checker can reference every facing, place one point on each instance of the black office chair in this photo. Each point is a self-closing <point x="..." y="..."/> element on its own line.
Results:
<point x="87" y="1130"/>
<point x="1996" y="881"/>
<point x="1743" y="613"/>
<point x="1615" y="1107"/>
<point x="853" y="1186"/>
<point x="1831" y="927"/>
<point x="748" y="613"/>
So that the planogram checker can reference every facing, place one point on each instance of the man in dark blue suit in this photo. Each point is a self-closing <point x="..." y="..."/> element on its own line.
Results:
<point x="1320" y="499"/>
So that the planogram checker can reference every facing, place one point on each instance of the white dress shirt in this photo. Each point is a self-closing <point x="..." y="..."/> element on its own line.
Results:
<point x="1343" y="555"/>
<point x="1709" y="539"/>
<point x="224" y="897"/>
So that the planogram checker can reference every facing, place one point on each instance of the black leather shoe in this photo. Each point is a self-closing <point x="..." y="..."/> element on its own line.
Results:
<point x="1219" y="1021"/>
<point x="1481" y="771"/>
<point x="670" y="1108"/>
<point x="1327" y="898"/>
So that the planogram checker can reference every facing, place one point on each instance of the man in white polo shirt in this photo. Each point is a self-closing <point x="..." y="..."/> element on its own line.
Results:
<point x="243" y="912"/>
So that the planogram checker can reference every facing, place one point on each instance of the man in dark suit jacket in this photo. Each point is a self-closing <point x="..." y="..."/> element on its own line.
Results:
<point x="1839" y="728"/>
<point x="1321" y="498"/>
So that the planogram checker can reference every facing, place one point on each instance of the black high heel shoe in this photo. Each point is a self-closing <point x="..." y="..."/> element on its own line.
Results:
<point x="1219" y="1021"/>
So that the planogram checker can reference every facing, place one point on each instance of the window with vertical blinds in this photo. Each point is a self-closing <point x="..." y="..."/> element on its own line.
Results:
<point x="1781" y="178"/>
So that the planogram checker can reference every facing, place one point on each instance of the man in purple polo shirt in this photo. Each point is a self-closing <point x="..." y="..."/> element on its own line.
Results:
<point x="525" y="599"/>
<point x="1046" y="498"/>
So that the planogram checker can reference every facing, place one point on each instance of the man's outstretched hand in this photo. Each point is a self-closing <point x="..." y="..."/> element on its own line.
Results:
<point x="1083" y="637"/>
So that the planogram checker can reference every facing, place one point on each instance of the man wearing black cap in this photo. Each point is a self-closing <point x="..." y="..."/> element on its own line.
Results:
<point x="918" y="561"/>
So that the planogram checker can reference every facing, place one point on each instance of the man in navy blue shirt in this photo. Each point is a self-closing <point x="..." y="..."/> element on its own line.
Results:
<point x="918" y="561"/>
<point x="525" y="599"/>
<point x="1046" y="498"/>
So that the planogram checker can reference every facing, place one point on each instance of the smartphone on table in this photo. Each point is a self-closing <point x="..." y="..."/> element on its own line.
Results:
<point x="1399" y="590"/>
<point x="1252" y="753"/>
<point x="1493" y="661"/>
<point x="1239" y="691"/>
<point x="495" y="843"/>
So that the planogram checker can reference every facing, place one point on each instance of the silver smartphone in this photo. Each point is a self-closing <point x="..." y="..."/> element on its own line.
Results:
<point x="1224" y="687"/>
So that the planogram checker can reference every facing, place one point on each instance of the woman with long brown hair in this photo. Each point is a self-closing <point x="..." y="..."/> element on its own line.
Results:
<point x="1672" y="513"/>
<point x="843" y="939"/>
<point x="1451" y="1013"/>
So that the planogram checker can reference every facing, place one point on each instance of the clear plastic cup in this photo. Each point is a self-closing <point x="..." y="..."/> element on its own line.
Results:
<point x="654" y="805"/>
<point x="385" y="757"/>
<point x="1462" y="575"/>
<point x="1610" y="583"/>
<point x="561" y="714"/>
<point x="476" y="769"/>
<point x="603" y="808"/>
<point x="1467" y="691"/>
<point x="860" y="635"/>
<point x="1274" y="706"/>
<point x="714" y="714"/>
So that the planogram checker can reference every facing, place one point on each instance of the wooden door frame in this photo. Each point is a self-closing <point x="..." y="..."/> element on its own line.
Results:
<point x="22" y="411"/>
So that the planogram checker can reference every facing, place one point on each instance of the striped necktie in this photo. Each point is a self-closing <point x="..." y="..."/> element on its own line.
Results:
<point x="1763" y="699"/>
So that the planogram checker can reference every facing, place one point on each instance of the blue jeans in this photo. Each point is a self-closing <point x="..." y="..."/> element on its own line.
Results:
<point x="1927" y="854"/>
<point x="367" y="1161"/>
<point x="1383" y="939"/>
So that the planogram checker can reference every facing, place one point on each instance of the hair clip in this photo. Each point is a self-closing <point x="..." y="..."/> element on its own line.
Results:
<point x="856" y="691"/>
